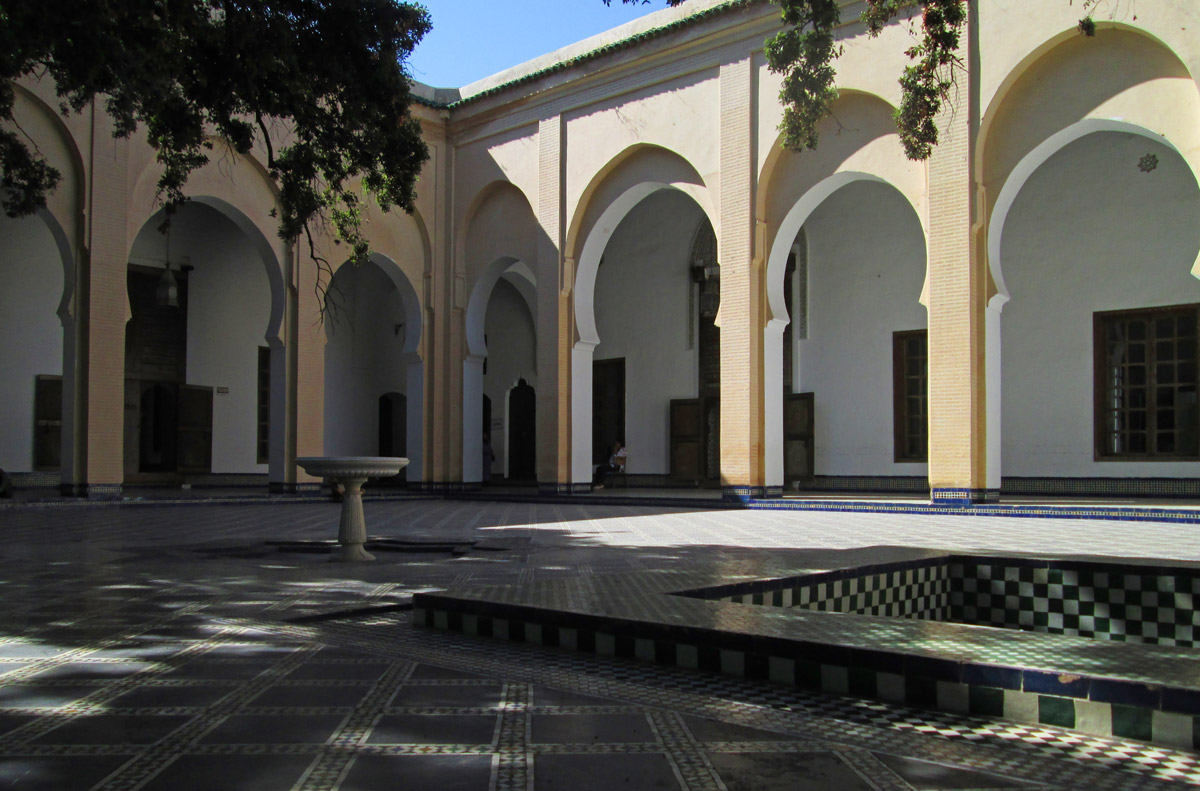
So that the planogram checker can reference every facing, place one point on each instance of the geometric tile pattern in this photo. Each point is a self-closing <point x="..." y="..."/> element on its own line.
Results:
<point x="1089" y="600"/>
<point x="920" y="591"/>
<point x="160" y="666"/>
<point x="1148" y="697"/>
<point x="1100" y="601"/>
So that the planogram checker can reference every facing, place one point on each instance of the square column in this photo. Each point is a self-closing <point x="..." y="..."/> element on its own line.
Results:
<point x="957" y="302"/>
<point x="553" y="337"/>
<point x="104" y="296"/>
<point x="742" y="296"/>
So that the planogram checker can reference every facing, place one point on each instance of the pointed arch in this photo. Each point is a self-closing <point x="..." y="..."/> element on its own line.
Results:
<point x="627" y="180"/>
<point x="777" y="258"/>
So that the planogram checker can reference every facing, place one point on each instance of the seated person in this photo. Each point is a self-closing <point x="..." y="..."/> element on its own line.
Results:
<point x="616" y="463"/>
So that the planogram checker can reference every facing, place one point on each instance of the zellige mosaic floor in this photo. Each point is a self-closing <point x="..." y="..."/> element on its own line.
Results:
<point x="176" y="648"/>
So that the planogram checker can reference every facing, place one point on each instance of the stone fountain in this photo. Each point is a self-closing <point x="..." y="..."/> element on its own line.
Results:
<point x="351" y="472"/>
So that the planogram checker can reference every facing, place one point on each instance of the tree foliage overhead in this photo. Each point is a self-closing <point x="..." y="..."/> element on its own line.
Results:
<point x="321" y="84"/>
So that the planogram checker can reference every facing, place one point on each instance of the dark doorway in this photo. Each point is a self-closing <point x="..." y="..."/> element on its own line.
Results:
<point x="393" y="428"/>
<point x="797" y="437"/>
<point x="608" y="407"/>
<point x="157" y="424"/>
<point x="522" y="433"/>
<point x="487" y="433"/>
<point x="194" y="422"/>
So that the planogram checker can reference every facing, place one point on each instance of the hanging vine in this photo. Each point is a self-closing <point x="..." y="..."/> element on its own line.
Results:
<point x="805" y="50"/>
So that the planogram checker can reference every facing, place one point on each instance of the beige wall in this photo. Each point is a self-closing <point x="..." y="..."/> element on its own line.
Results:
<point x="541" y="163"/>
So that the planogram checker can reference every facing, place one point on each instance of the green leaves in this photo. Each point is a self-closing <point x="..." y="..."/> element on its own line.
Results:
<point x="804" y="54"/>
<point x="325" y="77"/>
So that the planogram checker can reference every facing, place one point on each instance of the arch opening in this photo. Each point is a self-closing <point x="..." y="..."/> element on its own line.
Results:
<point x="501" y="324"/>
<point x="637" y="360"/>
<point x="216" y="354"/>
<point x="847" y="321"/>
<point x="373" y="371"/>
<point x="1094" y="249"/>
<point x="37" y="322"/>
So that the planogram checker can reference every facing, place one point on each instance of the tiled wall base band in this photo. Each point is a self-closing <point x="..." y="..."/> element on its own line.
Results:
<point x="104" y="491"/>
<point x="445" y="487"/>
<point x="551" y="489"/>
<point x="278" y="487"/>
<point x="1103" y="487"/>
<point x="36" y="480"/>
<point x="742" y="494"/>
<point x="1043" y="485"/>
<point x="878" y="484"/>
<point x="964" y="497"/>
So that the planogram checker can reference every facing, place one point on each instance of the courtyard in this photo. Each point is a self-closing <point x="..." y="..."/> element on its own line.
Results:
<point x="197" y="646"/>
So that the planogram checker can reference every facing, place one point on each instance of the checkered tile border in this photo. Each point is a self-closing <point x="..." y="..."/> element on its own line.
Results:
<point x="922" y="592"/>
<point x="1026" y="593"/>
<point x="1104" y="602"/>
<point x="1085" y="600"/>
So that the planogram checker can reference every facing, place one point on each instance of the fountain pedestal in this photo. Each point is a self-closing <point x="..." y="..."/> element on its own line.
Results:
<point x="352" y="472"/>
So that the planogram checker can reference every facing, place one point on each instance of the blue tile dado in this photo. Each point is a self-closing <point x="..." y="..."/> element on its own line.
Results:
<point x="1125" y="693"/>
<point x="1058" y="684"/>
<point x="695" y="619"/>
<point x="988" y="676"/>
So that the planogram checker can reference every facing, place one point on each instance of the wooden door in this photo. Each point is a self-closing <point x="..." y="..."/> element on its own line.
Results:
<point x="687" y="439"/>
<point x="797" y="437"/>
<point x="712" y="441"/>
<point x="47" y="416"/>
<point x="194" y="444"/>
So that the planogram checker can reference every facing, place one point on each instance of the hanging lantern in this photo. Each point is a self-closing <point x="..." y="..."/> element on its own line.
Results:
<point x="167" y="293"/>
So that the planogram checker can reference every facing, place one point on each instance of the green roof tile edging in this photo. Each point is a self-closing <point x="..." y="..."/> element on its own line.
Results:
<point x="593" y="54"/>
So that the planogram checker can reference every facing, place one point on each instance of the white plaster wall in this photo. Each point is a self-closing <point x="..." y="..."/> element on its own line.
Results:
<point x="31" y="285"/>
<point x="1089" y="232"/>
<point x="642" y="315"/>
<point x="866" y="266"/>
<point x="362" y="359"/>
<point x="511" y="345"/>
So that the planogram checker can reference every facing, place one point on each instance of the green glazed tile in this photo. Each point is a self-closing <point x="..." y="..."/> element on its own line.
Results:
<point x="1132" y="722"/>
<point x="1056" y="711"/>
<point x="987" y="701"/>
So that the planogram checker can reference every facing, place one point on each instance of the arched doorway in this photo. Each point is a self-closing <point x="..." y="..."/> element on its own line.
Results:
<point x="372" y="373"/>
<point x="198" y="380"/>
<point x="502" y="344"/>
<point x="636" y="299"/>
<point x="32" y="315"/>
<point x="652" y="310"/>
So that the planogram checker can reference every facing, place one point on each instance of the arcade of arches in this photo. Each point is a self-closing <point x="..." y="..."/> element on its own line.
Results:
<point x="617" y="248"/>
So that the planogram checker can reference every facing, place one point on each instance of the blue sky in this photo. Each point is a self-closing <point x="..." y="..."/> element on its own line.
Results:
<point x="472" y="39"/>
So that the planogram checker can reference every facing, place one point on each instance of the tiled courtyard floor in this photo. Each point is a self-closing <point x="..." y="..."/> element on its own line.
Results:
<point x="176" y="647"/>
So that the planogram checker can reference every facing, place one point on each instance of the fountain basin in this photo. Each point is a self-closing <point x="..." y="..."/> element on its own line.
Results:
<point x="351" y="472"/>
